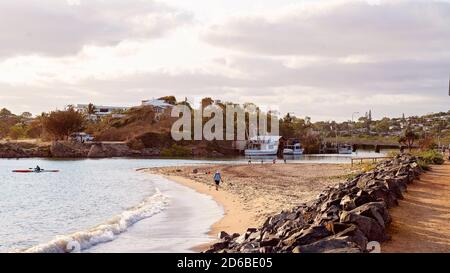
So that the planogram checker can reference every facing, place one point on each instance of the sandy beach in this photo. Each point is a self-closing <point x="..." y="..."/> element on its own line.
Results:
<point x="250" y="193"/>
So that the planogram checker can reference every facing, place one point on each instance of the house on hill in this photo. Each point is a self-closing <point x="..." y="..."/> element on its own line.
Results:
<point x="160" y="107"/>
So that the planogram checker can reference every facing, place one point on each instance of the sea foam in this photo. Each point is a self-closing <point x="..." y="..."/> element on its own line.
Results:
<point x="105" y="232"/>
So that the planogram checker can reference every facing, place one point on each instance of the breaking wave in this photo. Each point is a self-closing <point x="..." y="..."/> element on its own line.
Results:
<point x="106" y="232"/>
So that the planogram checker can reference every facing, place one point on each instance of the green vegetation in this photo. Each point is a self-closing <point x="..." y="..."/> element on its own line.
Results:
<point x="430" y="157"/>
<point x="61" y="124"/>
<point x="176" y="151"/>
<point x="18" y="126"/>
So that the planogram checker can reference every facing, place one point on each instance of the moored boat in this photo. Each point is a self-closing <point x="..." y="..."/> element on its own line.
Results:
<point x="293" y="149"/>
<point x="345" y="149"/>
<point x="262" y="146"/>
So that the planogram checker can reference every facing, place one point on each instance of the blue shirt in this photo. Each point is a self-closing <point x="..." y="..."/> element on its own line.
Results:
<point x="217" y="177"/>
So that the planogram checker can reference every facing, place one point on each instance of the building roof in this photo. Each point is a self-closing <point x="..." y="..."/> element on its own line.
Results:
<point x="103" y="107"/>
<point x="157" y="103"/>
<point x="265" y="138"/>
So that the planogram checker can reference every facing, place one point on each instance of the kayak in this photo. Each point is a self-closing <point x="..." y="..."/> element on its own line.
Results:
<point x="34" y="171"/>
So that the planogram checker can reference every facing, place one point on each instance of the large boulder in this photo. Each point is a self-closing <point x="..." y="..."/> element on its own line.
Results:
<point x="370" y="218"/>
<point x="330" y="244"/>
<point x="307" y="236"/>
<point x="60" y="149"/>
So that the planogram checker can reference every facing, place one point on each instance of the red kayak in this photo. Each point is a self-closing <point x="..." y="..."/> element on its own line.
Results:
<point x="33" y="171"/>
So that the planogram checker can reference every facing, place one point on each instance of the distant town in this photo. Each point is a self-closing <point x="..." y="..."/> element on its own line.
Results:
<point x="146" y="128"/>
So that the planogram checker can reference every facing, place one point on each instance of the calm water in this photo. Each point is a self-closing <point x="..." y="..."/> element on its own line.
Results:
<point x="100" y="200"/>
<point x="36" y="207"/>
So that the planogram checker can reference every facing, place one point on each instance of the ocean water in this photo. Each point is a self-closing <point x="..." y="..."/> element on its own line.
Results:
<point x="105" y="205"/>
<point x="90" y="203"/>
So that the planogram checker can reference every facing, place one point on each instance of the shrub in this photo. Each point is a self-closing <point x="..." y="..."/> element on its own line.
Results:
<point x="431" y="157"/>
<point x="17" y="131"/>
<point x="176" y="151"/>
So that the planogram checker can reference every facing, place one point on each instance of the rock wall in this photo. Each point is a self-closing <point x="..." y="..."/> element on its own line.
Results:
<point x="60" y="149"/>
<point x="23" y="150"/>
<point x="104" y="150"/>
<point x="343" y="218"/>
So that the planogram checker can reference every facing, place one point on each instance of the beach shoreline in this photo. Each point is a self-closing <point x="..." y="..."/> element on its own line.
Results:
<point x="230" y="205"/>
<point x="267" y="196"/>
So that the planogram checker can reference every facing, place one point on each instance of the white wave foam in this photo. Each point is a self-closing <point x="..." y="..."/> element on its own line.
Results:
<point x="105" y="232"/>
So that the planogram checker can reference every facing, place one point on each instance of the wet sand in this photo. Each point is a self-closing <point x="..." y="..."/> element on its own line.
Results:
<point x="251" y="193"/>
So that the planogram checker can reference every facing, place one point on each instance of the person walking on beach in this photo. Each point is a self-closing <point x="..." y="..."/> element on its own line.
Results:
<point x="217" y="179"/>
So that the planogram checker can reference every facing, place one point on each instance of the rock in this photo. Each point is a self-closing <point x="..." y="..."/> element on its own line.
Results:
<point x="217" y="246"/>
<point x="270" y="242"/>
<point x="150" y="152"/>
<point x="103" y="150"/>
<point x="223" y="235"/>
<point x="254" y="236"/>
<point x="240" y="239"/>
<point x="383" y="193"/>
<point x="216" y="154"/>
<point x="370" y="227"/>
<point x="307" y="236"/>
<point x="60" y="149"/>
<point x="326" y="245"/>
<point x="354" y="235"/>
<point x="393" y="186"/>
<point x="344" y="250"/>
<point x="348" y="203"/>
<point x="289" y="226"/>
<point x="250" y="248"/>
<point x="330" y="215"/>
<point x="342" y="219"/>
<point x="363" y="197"/>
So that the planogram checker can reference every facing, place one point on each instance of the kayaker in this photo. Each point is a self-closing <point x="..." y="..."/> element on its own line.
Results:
<point x="37" y="169"/>
<point x="217" y="179"/>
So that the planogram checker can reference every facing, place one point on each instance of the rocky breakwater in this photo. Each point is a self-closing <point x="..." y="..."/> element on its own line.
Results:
<point x="343" y="218"/>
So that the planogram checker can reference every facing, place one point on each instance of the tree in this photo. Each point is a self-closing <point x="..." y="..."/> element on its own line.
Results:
<point x="408" y="138"/>
<point x="91" y="109"/>
<point x="5" y="113"/>
<point x="60" y="124"/>
<point x="207" y="102"/>
<point x="383" y="125"/>
<point x="26" y="115"/>
<point x="169" y="99"/>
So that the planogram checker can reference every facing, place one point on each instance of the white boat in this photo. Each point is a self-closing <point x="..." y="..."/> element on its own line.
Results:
<point x="345" y="149"/>
<point x="295" y="149"/>
<point x="262" y="146"/>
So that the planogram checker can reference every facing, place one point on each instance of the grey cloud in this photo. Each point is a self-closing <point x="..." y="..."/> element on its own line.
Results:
<point x="391" y="28"/>
<point x="53" y="27"/>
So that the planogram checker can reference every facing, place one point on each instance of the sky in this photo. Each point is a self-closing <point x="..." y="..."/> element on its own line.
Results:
<point x="322" y="59"/>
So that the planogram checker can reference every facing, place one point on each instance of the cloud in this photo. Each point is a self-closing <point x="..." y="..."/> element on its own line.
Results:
<point x="322" y="60"/>
<point x="57" y="27"/>
<point x="341" y="29"/>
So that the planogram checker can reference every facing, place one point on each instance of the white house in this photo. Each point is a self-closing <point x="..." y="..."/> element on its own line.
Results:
<point x="160" y="107"/>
